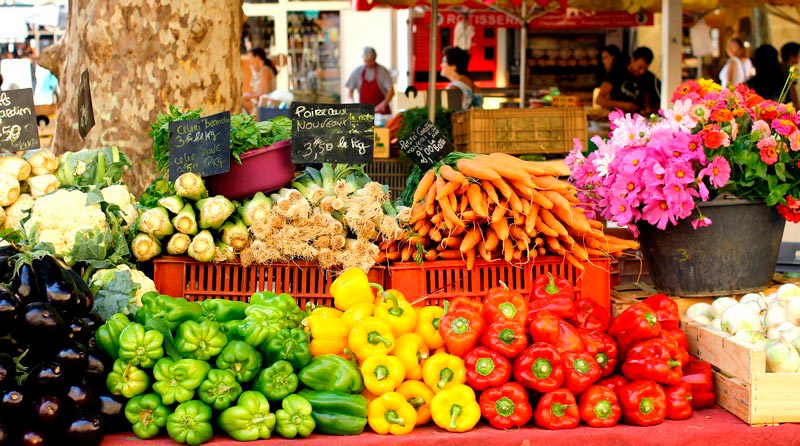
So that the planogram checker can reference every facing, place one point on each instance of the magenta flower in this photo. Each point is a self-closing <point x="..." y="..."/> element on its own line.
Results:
<point x="718" y="172"/>
<point x="679" y="172"/>
<point x="701" y="222"/>
<point x="783" y="126"/>
<point x="657" y="212"/>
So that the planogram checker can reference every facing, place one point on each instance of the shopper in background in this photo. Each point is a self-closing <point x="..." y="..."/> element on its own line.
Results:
<point x="790" y="56"/>
<point x="630" y="86"/>
<point x="769" y="79"/>
<point x="454" y="67"/>
<point x="373" y="83"/>
<point x="262" y="81"/>
<point x="737" y="70"/>
<point x="610" y="56"/>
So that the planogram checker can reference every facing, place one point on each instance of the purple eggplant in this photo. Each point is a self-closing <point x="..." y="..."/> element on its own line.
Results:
<point x="8" y="370"/>
<point x="73" y="356"/>
<point x="56" y="283"/>
<point x="85" y="296"/>
<point x="48" y="409"/>
<point x="84" y="428"/>
<point x="46" y="376"/>
<point x="34" y="436"/>
<point x="42" y="323"/>
<point x="96" y="369"/>
<point x="12" y="403"/>
<point x="112" y="408"/>
<point x="6" y="435"/>
<point x="25" y="285"/>
<point x="80" y="393"/>
<point x="9" y="311"/>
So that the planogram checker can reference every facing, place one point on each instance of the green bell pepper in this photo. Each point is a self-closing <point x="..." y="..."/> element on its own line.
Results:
<point x="171" y="310"/>
<point x="241" y="359"/>
<point x="289" y="344"/>
<point x="147" y="415"/>
<point x="283" y="302"/>
<point x="249" y="419"/>
<point x="337" y="413"/>
<point x="127" y="380"/>
<point x="176" y="381"/>
<point x="200" y="340"/>
<point x="331" y="372"/>
<point x="139" y="346"/>
<point x="277" y="381"/>
<point x="219" y="389"/>
<point x="190" y="423"/>
<point x="259" y="326"/>
<point x="295" y="417"/>
<point x="223" y="310"/>
<point x="107" y="336"/>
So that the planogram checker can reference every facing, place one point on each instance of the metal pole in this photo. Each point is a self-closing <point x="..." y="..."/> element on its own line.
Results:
<point x="671" y="19"/>
<point x="432" y="64"/>
<point x="523" y="55"/>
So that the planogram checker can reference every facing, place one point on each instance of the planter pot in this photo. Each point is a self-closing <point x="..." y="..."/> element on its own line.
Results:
<point x="262" y="170"/>
<point x="735" y="255"/>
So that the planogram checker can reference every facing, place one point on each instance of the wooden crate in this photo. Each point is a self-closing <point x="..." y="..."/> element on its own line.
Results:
<point x="392" y="172"/>
<point x="743" y="385"/>
<point x="512" y="130"/>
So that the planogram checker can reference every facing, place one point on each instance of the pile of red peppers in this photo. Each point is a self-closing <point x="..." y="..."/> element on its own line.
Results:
<point x="560" y="361"/>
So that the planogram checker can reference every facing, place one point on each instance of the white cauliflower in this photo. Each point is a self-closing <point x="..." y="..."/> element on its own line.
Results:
<point x="119" y="289"/>
<point x="120" y="195"/>
<point x="58" y="217"/>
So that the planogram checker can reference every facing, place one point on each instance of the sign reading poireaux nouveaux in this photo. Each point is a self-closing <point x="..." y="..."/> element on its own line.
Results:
<point x="18" y="129"/>
<point x="335" y="133"/>
<point x="201" y="145"/>
<point x="425" y="145"/>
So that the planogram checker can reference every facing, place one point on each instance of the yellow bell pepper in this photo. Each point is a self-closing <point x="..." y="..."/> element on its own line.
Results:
<point x="428" y="326"/>
<point x="390" y="413"/>
<point x="328" y="333"/>
<point x="420" y="396"/>
<point x="455" y="408"/>
<point x="350" y="288"/>
<point x="392" y="306"/>
<point x="357" y="313"/>
<point x="412" y="351"/>
<point x="443" y="369"/>
<point x="371" y="337"/>
<point x="382" y="373"/>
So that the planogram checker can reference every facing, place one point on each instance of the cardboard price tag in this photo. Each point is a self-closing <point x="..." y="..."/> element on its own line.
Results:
<point x="425" y="145"/>
<point x="335" y="133"/>
<point x="18" y="128"/>
<point x="202" y="146"/>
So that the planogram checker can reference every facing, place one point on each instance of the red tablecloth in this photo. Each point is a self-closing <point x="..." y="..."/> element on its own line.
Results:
<point x="710" y="427"/>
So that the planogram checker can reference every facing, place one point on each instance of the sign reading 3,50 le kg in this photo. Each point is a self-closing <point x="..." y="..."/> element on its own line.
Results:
<point x="202" y="146"/>
<point x="334" y="133"/>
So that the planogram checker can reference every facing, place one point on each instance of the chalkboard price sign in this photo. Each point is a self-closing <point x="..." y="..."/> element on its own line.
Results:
<point x="85" y="108"/>
<point x="426" y="145"/>
<point x="18" y="129"/>
<point x="335" y="133"/>
<point x="202" y="146"/>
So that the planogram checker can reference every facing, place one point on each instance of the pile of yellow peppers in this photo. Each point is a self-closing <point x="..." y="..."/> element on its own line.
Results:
<point x="406" y="385"/>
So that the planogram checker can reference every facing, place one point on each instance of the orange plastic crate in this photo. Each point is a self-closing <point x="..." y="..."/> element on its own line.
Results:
<point x="445" y="279"/>
<point x="307" y="282"/>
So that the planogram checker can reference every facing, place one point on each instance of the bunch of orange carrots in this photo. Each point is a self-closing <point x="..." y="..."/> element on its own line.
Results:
<point x="394" y="124"/>
<point x="498" y="206"/>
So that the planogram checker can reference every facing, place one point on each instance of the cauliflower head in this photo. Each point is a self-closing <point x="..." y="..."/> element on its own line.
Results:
<point x="120" y="195"/>
<point x="59" y="217"/>
<point x="119" y="289"/>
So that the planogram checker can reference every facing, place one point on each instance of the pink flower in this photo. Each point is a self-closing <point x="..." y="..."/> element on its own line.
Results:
<point x="767" y="151"/>
<point x="680" y="172"/>
<point x="794" y="140"/>
<point x="784" y="126"/>
<point x="615" y="115"/>
<point x="631" y="131"/>
<point x="654" y="173"/>
<point x="575" y="156"/>
<point x="657" y="212"/>
<point x="718" y="172"/>
<point x="622" y="210"/>
<point x="702" y="190"/>
<point x="701" y="222"/>
<point x="762" y="127"/>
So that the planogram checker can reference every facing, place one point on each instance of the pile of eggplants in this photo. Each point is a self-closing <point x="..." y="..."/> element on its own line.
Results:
<point x="52" y="377"/>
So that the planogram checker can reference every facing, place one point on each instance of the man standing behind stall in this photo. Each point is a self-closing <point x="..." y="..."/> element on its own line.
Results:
<point x="373" y="83"/>
<point x="631" y="87"/>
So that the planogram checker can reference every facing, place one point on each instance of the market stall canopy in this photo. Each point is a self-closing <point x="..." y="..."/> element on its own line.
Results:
<point x="634" y="6"/>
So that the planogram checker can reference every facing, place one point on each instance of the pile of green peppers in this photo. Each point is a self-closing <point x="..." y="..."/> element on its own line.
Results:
<point x="239" y="368"/>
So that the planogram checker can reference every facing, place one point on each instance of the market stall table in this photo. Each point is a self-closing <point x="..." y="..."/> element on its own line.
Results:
<point x="710" y="427"/>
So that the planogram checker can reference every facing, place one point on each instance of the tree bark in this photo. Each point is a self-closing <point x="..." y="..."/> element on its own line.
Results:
<point x="143" y="55"/>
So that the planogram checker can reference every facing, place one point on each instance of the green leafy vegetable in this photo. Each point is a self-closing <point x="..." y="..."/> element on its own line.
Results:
<point x="159" y="131"/>
<point x="248" y="134"/>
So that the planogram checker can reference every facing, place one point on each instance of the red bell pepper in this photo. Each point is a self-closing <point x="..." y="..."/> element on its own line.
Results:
<point x="636" y="324"/>
<point x="539" y="368"/>
<point x="656" y="360"/>
<point x="614" y="382"/>
<point x="548" y="287"/>
<point x="590" y="316"/>
<point x="551" y="329"/>
<point x="679" y="337"/>
<point x="563" y="307"/>
<point x="486" y="368"/>
<point x="557" y="410"/>
<point x="666" y="309"/>
<point x="599" y="407"/>
<point x="506" y="406"/>
<point x="603" y="348"/>
<point x="507" y="338"/>
<point x="461" y="325"/>
<point x="580" y="371"/>
<point x="643" y="403"/>
<point x="679" y="401"/>
<point x="502" y="304"/>
<point x="698" y="374"/>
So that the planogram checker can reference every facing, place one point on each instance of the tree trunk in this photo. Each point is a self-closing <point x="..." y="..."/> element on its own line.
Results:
<point x="143" y="55"/>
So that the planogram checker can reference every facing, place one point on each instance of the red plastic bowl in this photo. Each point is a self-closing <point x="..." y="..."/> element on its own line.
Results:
<point x="262" y="170"/>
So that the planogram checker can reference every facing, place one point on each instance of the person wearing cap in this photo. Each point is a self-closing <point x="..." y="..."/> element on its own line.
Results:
<point x="373" y="83"/>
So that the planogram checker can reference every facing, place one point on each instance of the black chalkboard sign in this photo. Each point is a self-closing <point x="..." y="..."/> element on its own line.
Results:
<point x="85" y="108"/>
<point x="336" y="133"/>
<point x="18" y="129"/>
<point x="426" y="145"/>
<point x="201" y="145"/>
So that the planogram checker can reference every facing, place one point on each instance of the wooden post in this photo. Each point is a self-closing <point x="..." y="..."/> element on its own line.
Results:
<point x="671" y="37"/>
<point x="523" y="54"/>
<point x="432" y="64"/>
